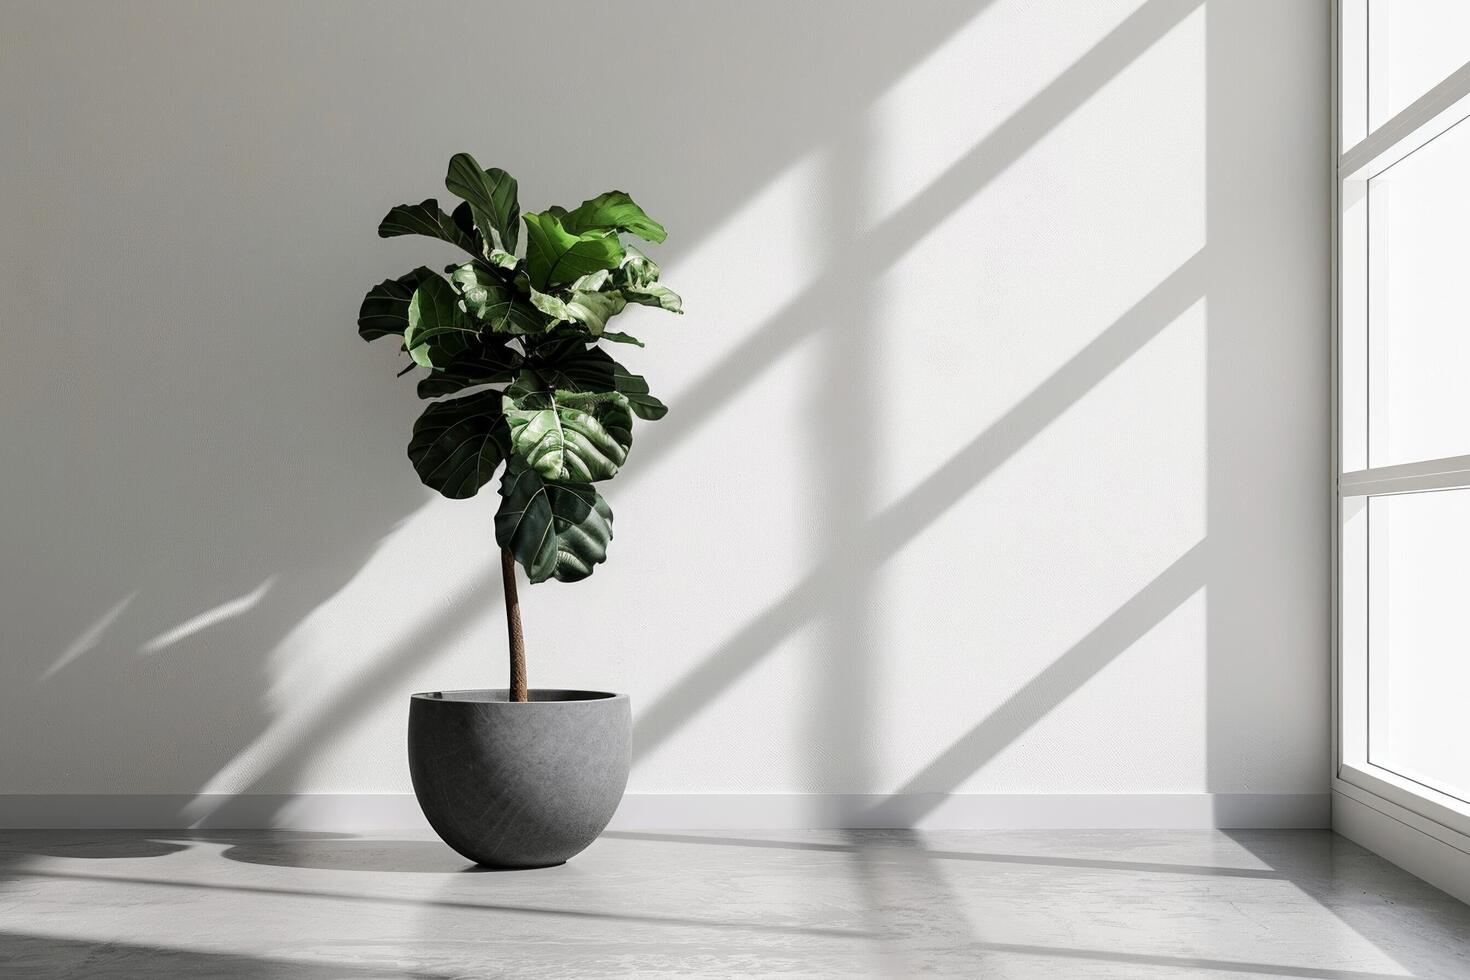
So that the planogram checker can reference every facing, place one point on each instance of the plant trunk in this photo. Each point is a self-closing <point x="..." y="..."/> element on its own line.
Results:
<point x="518" y="690"/>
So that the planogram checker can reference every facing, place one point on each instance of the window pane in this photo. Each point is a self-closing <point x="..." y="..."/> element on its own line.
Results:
<point x="1413" y="45"/>
<point x="1419" y="622"/>
<point x="1418" y="306"/>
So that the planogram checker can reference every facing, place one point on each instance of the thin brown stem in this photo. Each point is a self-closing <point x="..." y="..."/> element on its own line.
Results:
<point x="518" y="690"/>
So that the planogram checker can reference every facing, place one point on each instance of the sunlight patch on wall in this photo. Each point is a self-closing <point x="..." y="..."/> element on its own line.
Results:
<point x="741" y="274"/>
<point x="208" y="618"/>
<point x="89" y="638"/>
<point x="1042" y="62"/>
<point x="1101" y="220"/>
<point x="362" y="651"/>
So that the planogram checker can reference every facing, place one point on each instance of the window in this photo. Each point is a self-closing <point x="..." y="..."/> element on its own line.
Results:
<point x="1403" y="397"/>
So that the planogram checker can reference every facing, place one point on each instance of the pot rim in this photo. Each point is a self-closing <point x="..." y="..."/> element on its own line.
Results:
<point x="501" y="695"/>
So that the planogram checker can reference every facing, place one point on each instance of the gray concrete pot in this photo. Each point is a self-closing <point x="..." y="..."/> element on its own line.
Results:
<point x="519" y="785"/>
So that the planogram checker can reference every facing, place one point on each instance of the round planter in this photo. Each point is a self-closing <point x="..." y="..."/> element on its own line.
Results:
<point x="519" y="784"/>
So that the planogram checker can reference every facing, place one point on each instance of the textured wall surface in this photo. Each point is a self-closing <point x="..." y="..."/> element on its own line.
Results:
<point x="997" y="452"/>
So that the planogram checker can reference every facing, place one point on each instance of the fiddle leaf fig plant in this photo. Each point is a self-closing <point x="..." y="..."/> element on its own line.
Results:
<point x="516" y="377"/>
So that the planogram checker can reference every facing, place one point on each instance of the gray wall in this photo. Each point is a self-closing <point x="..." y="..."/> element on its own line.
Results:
<point x="997" y="453"/>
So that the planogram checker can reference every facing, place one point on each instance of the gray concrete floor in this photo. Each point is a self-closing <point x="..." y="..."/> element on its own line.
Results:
<point x="1136" y="904"/>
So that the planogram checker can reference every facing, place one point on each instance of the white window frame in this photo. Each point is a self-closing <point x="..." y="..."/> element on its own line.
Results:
<point x="1414" y="807"/>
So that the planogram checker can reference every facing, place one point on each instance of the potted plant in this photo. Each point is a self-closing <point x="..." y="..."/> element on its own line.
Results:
<point x="512" y="346"/>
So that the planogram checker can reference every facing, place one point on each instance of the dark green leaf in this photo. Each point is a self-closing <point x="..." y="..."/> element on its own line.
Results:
<point x="555" y="530"/>
<point x="550" y="304"/>
<point x="621" y="338"/>
<point x="384" y="310"/>
<point x="464" y="219"/>
<point x="578" y="437"/>
<point x="488" y="297"/>
<point x="615" y="211"/>
<point x="554" y="255"/>
<point x="438" y="330"/>
<point x="458" y="443"/>
<point x="490" y="361"/>
<point x="592" y="370"/>
<point x="427" y="219"/>
<point x="491" y="195"/>
<point x="549" y="348"/>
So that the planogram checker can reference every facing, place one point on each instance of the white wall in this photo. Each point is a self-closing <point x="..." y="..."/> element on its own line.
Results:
<point x="997" y="456"/>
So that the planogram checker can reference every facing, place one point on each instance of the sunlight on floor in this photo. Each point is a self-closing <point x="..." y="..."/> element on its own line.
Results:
<point x="1007" y="904"/>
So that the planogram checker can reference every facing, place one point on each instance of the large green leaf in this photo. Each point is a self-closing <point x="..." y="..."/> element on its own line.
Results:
<point x="636" y="269"/>
<point x="555" y="530"/>
<point x="426" y="219"/>
<point x="593" y="369"/>
<point x="596" y="297"/>
<point x="490" y="361"/>
<point x="488" y="297"/>
<point x="384" y="310"/>
<point x="464" y="219"/>
<point x="550" y="304"/>
<point x="551" y="346"/>
<point x="554" y="255"/>
<point x="637" y="279"/>
<point x="593" y="310"/>
<point x="615" y="211"/>
<point x="656" y="294"/>
<point x="438" y="330"/>
<point x="578" y="437"/>
<point x="458" y="443"/>
<point x="491" y="195"/>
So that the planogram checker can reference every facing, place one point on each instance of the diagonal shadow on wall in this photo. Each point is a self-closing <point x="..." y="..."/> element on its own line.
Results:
<point x="301" y="485"/>
<point x="1184" y="577"/>
<point x="899" y="233"/>
<point x="868" y="546"/>
<point x="868" y="256"/>
<point x="386" y="671"/>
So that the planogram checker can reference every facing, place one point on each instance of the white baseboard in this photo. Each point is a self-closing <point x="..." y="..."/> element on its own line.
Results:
<point x="1421" y="847"/>
<point x="363" y="813"/>
<point x="972" y="811"/>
